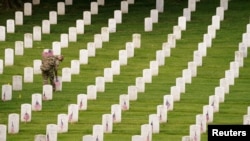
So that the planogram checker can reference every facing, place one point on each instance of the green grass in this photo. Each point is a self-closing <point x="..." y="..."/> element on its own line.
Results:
<point x="196" y="95"/>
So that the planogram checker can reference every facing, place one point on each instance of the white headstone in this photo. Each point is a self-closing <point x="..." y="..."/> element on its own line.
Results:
<point x="2" y="33"/>
<point x="36" y="66"/>
<point x="220" y="13"/>
<point x="239" y="57"/>
<point x="112" y="25"/>
<point x="87" y="17"/>
<point x="186" y="74"/>
<point x="166" y="47"/>
<point x="105" y="34"/>
<point x="148" y="24"/>
<point x="9" y="57"/>
<point x="147" y="75"/>
<point x="229" y="75"/>
<point x="73" y="112"/>
<point x="47" y="92"/>
<point x="211" y="30"/>
<point x="123" y="57"/>
<point x="94" y="8"/>
<point x="225" y="84"/>
<point x="197" y="58"/>
<point x="154" y="67"/>
<point x="64" y="39"/>
<point x="75" y="67"/>
<point x="26" y="113"/>
<point x="216" y="22"/>
<point x="182" y="23"/>
<point x="162" y="113"/>
<point x="193" y="67"/>
<point x="10" y="26"/>
<point x="82" y="101"/>
<point x="187" y="14"/>
<point x="80" y="26"/>
<point x="137" y="138"/>
<point x="108" y="74"/>
<point x="17" y="82"/>
<point x="83" y="56"/>
<point x="98" y="132"/>
<point x="160" y="5"/>
<point x="13" y="123"/>
<point x="100" y="83"/>
<point x="224" y="4"/>
<point x="168" y="101"/>
<point x="186" y="138"/>
<point x="194" y="132"/>
<point x="130" y="49"/>
<point x="3" y="132"/>
<point x="124" y="102"/>
<point x="154" y="15"/>
<point x="53" y="17"/>
<point x="215" y="102"/>
<point x="154" y="122"/>
<point x="140" y="84"/>
<point x="202" y="48"/>
<point x="56" y="47"/>
<point x="58" y="83"/>
<point x="116" y="112"/>
<point x="124" y="6"/>
<point x="160" y="57"/>
<point x="6" y="92"/>
<point x="28" y="75"/>
<point x="28" y="40"/>
<point x="72" y="34"/>
<point x="66" y="74"/>
<point x="36" y="102"/>
<point x="131" y="1"/>
<point x="175" y="91"/>
<point x="51" y="132"/>
<point x="91" y="92"/>
<point x="248" y="110"/>
<point x="146" y="132"/>
<point x="61" y="8"/>
<point x="192" y="5"/>
<point x="243" y="48"/>
<point x="45" y="26"/>
<point x="88" y="138"/>
<point x="98" y="40"/>
<point x="246" y="119"/>
<point x="68" y="2"/>
<point x="177" y="32"/>
<point x="201" y="121"/>
<point x="208" y="112"/>
<point x="19" y="17"/>
<point x="1" y="66"/>
<point x="101" y="2"/>
<point x="207" y="40"/>
<point x="118" y="16"/>
<point x="245" y="39"/>
<point x="136" y="39"/>
<point x="171" y="40"/>
<point x="35" y="2"/>
<point x="115" y="65"/>
<point x="27" y="9"/>
<point x="132" y="92"/>
<point x="180" y="81"/>
<point x="62" y="123"/>
<point x="37" y="33"/>
<point x="91" y="49"/>
<point x="107" y="123"/>
<point x="40" y="137"/>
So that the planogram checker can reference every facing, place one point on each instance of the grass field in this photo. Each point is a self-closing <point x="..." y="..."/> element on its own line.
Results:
<point x="196" y="94"/>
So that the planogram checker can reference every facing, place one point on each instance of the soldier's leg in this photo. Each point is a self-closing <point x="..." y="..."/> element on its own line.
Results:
<point x="52" y="82"/>
<point x="45" y="77"/>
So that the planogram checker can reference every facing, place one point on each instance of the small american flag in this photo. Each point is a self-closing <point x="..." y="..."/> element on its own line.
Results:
<point x="26" y="116"/>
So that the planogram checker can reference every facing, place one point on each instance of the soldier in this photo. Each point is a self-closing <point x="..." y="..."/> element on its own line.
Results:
<point x="49" y="67"/>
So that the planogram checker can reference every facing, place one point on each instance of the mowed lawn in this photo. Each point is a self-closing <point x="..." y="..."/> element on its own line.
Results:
<point x="214" y="65"/>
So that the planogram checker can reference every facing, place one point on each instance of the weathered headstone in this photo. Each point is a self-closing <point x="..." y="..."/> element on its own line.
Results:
<point x="13" y="123"/>
<point x="17" y="82"/>
<point x="26" y="114"/>
<point x="36" y="102"/>
<point x="82" y="101"/>
<point x="73" y="112"/>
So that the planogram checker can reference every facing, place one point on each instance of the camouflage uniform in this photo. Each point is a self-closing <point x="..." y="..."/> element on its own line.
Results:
<point x="49" y="69"/>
